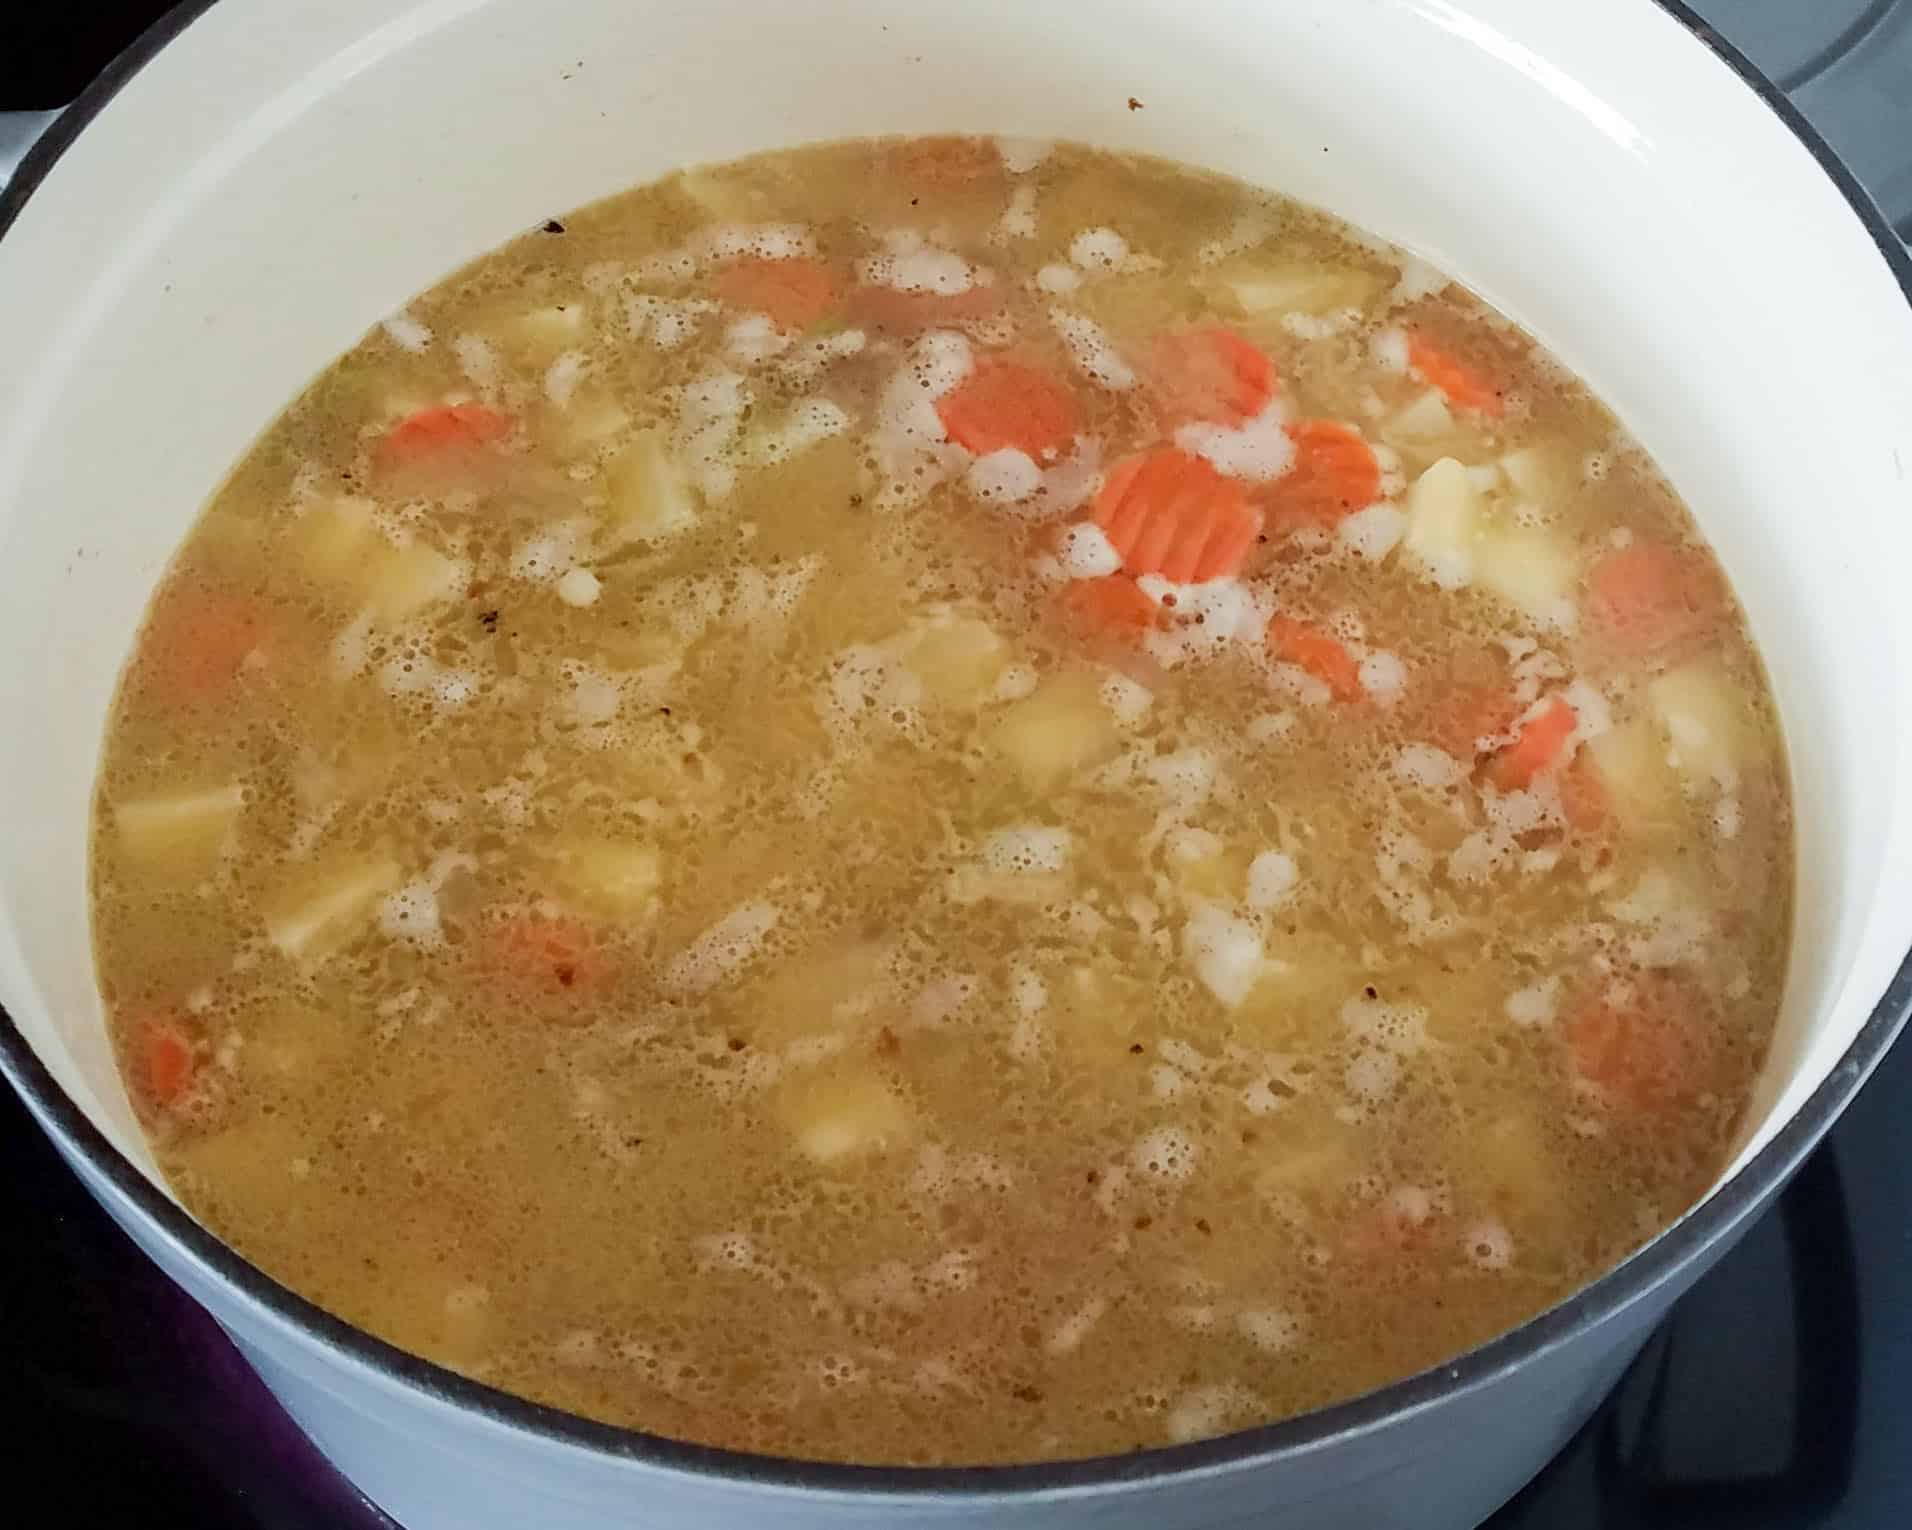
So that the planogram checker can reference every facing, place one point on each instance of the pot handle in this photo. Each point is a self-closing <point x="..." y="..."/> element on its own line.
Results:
<point x="19" y="131"/>
<point x="1828" y="1363"/>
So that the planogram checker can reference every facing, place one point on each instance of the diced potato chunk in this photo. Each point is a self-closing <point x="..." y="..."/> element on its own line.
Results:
<point x="540" y="335"/>
<point x="405" y="580"/>
<point x="1532" y="570"/>
<point x="1093" y="1014"/>
<point x="338" y="538"/>
<point x="820" y="991"/>
<point x="836" y="1115"/>
<point x="618" y="879"/>
<point x="1302" y="288"/>
<point x="1513" y="1164"/>
<point x="651" y="498"/>
<point x="1059" y="729"/>
<point x="341" y="544"/>
<point x="183" y="833"/>
<point x="1225" y="951"/>
<point x="1539" y="474"/>
<point x="592" y="418"/>
<point x="1633" y="767"/>
<point x="1426" y="419"/>
<point x="1706" y="720"/>
<point x="1443" y="523"/>
<point x="318" y="913"/>
<point x="1295" y="1006"/>
<point x="959" y="659"/>
<point x="1214" y="873"/>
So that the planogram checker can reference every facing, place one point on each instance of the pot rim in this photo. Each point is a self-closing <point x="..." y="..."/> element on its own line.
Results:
<point x="1681" y="1246"/>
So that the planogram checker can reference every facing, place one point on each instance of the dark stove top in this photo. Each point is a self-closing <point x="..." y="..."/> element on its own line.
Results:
<point x="1777" y="1397"/>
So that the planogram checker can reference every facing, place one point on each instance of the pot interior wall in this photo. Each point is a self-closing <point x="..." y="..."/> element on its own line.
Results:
<point x="279" y="179"/>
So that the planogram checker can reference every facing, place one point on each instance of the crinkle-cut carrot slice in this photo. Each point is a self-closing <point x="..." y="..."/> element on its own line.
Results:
<point x="546" y="953"/>
<point x="1005" y="404"/>
<point x="1541" y="742"/>
<point x="167" y="1062"/>
<point x="1320" y="653"/>
<point x="1651" y="600"/>
<point x="795" y="293"/>
<point x="1334" y="474"/>
<point x="1170" y="513"/>
<point x="1463" y="387"/>
<point x="1647" y="1054"/>
<point x="441" y="431"/>
<point x="198" y="642"/>
<point x="1113" y="606"/>
<point x="1209" y="375"/>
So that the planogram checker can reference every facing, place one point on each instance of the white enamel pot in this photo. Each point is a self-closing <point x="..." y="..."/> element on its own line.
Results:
<point x="256" y="183"/>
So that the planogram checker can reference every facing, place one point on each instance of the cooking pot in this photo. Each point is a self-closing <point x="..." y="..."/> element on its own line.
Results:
<point x="255" y="184"/>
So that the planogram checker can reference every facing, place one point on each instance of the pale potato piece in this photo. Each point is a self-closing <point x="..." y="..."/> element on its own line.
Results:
<point x="1708" y="725"/>
<point x="1632" y="761"/>
<point x="1093" y="1015"/>
<point x="618" y="879"/>
<point x="538" y="336"/>
<point x="1443" y="523"/>
<point x="840" y="1115"/>
<point x="1258" y="289"/>
<point x="1540" y="475"/>
<point x="1512" y="1163"/>
<point x="183" y="833"/>
<point x="1060" y="729"/>
<point x="651" y="496"/>
<point x="402" y="581"/>
<point x="959" y="659"/>
<point x="1426" y="419"/>
<point x="1218" y="876"/>
<point x="337" y="538"/>
<point x="1534" y="571"/>
<point x="340" y="543"/>
<point x="819" y="992"/>
<point x="319" y="912"/>
<point x="592" y="418"/>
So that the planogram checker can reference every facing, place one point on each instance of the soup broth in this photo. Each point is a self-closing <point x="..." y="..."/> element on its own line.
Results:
<point x="941" y="801"/>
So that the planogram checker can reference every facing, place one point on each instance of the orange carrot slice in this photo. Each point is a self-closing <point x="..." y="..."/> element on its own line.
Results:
<point x="795" y="292"/>
<point x="1169" y="513"/>
<point x="441" y="431"/>
<point x="1319" y="653"/>
<point x="1006" y="404"/>
<point x="199" y="641"/>
<point x="1464" y="387"/>
<point x="166" y="1061"/>
<point x="1209" y="375"/>
<point x="1648" y="1055"/>
<point x="549" y="954"/>
<point x="1541" y="742"/>
<point x="1650" y="600"/>
<point x="1335" y="474"/>
<point x="1114" y="605"/>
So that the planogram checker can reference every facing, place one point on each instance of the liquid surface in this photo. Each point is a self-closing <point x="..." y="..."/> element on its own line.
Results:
<point x="942" y="802"/>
